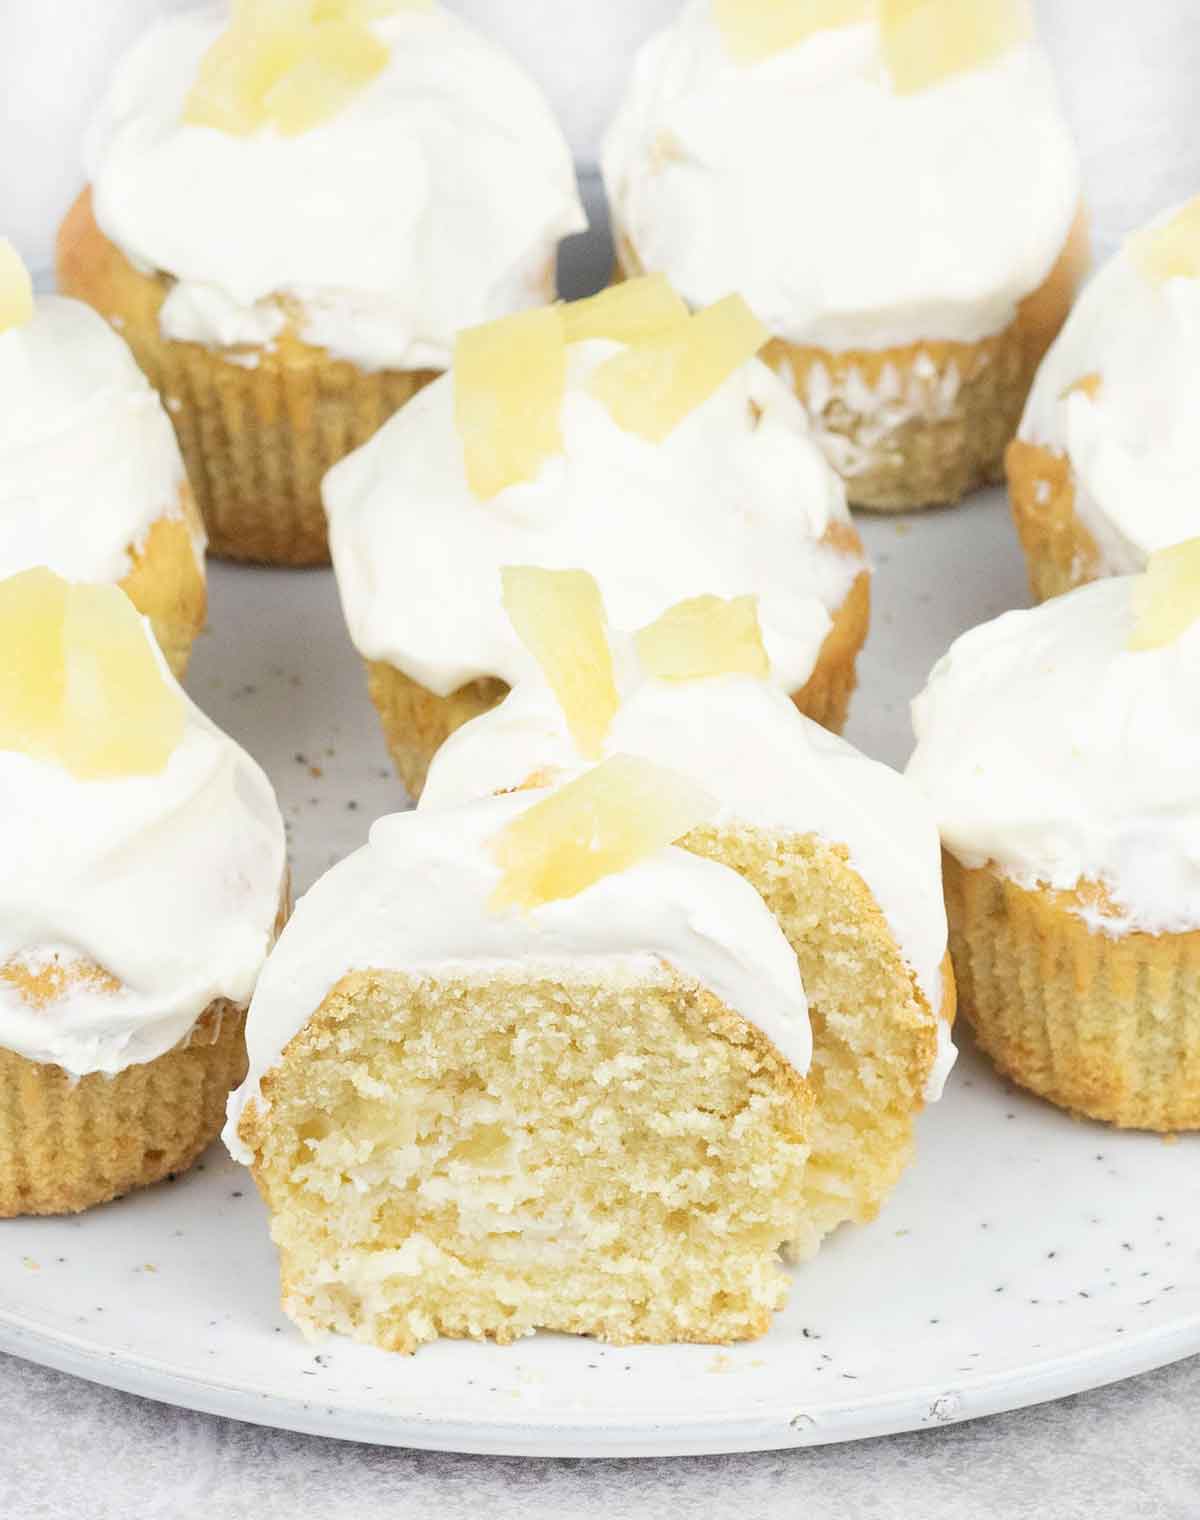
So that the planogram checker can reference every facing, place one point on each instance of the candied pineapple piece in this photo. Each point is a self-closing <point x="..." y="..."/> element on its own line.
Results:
<point x="757" y="29"/>
<point x="702" y="637"/>
<point x="509" y="379"/>
<point x="652" y="386"/>
<point x="281" y="64"/>
<point x="1166" y="600"/>
<point x="627" y="313"/>
<point x="928" y="41"/>
<point x="80" y="682"/>
<point x="32" y="681"/>
<point x="559" y="617"/>
<point x="606" y="820"/>
<point x="16" y="288"/>
<point x="1170" y="251"/>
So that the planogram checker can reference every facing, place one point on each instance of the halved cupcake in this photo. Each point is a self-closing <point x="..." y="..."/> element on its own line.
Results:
<point x="91" y="482"/>
<point x="1060" y="750"/>
<point x="893" y="188"/>
<point x="144" y="882"/>
<point x="292" y="211"/>
<point x="1103" y="472"/>
<point x="619" y="434"/>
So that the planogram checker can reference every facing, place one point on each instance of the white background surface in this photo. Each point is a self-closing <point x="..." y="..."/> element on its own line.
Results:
<point x="68" y="1447"/>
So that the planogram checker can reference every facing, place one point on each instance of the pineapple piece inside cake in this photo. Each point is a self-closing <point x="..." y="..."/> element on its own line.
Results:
<point x="650" y="387"/>
<point x="1166" y="599"/>
<point x="81" y="683"/>
<point x="757" y="29"/>
<point x="559" y="617"/>
<point x="605" y="821"/>
<point x="16" y="288"/>
<point x="627" y="313"/>
<point x="509" y="380"/>
<point x="703" y="637"/>
<point x="1170" y="251"/>
<point x="926" y="42"/>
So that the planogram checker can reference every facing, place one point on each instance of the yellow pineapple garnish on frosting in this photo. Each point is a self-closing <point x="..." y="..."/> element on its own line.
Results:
<point x="287" y="64"/>
<point x="653" y="385"/>
<point x="1170" y="251"/>
<point x="509" y="380"/>
<point x="926" y="42"/>
<point x="32" y="678"/>
<point x="16" y="288"/>
<point x="756" y="29"/>
<point x="80" y="682"/>
<point x="703" y="637"/>
<point x="365" y="10"/>
<point x="605" y="821"/>
<point x="1166" y="599"/>
<point x="559" y="617"/>
<point x="627" y="313"/>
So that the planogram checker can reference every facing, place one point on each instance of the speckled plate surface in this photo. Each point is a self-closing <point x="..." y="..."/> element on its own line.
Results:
<point x="1025" y="1256"/>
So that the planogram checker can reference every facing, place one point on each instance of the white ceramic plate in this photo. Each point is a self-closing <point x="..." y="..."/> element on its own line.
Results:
<point x="1024" y="1257"/>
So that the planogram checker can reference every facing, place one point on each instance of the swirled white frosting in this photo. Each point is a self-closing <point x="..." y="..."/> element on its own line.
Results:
<point x="1134" y="447"/>
<point x="415" y="899"/>
<point x="735" y="500"/>
<point x="847" y="215"/>
<point x="171" y="884"/>
<point x="88" y="457"/>
<point x="1052" y="752"/>
<point x="435" y="200"/>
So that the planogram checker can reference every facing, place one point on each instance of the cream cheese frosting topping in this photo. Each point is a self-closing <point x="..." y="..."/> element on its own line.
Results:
<point x="170" y="884"/>
<point x="1132" y="440"/>
<point x="849" y="216"/>
<point x="1052" y="752"/>
<point x="737" y="499"/>
<point x="769" y="768"/>
<point x="434" y="200"/>
<point x="416" y="899"/>
<point x="88" y="457"/>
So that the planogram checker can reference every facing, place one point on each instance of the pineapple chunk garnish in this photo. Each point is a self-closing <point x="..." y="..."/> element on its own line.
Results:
<point x="603" y="822"/>
<point x="1170" y="251"/>
<point x="757" y="29"/>
<point x="703" y="637"/>
<point x="286" y="64"/>
<point x="80" y="683"/>
<point x="509" y="380"/>
<point x="627" y="313"/>
<point x="16" y="288"/>
<point x="926" y="42"/>
<point x="1166" y="600"/>
<point x="652" y="386"/>
<point x="559" y="617"/>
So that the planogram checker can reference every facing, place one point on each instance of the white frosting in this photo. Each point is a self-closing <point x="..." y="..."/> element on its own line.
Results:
<point x="170" y="883"/>
<point x="769" y="767"/>
<point x="1134" y="448"/>
<point x="847" y="215"/>
<point x="732" y="502"/>
<point x="88" y="457"/>
<point x="1050" y="751"/>
<point x="415" y="899"/>
<point x="434" y="200"/>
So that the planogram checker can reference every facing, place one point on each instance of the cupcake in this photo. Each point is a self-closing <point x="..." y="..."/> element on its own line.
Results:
<point x="892" y="188"/>
<point x="145" y="875"/>
<point x="621" y="434"/>
<point x="91" y="482"/>
<point x="290" y="215"/>
<point x="1060" y="749"/>
<point x="1103" y="471"/>
<point x="521" y="1064"/>
<point x="842" y="850"/>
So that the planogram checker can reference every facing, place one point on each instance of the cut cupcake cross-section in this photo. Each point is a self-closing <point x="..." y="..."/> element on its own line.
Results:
<point x="757" y="29"/>
<point x="926" y="42"/>
<point x="1166" y="600"/>
<point x="80" y="682"/>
